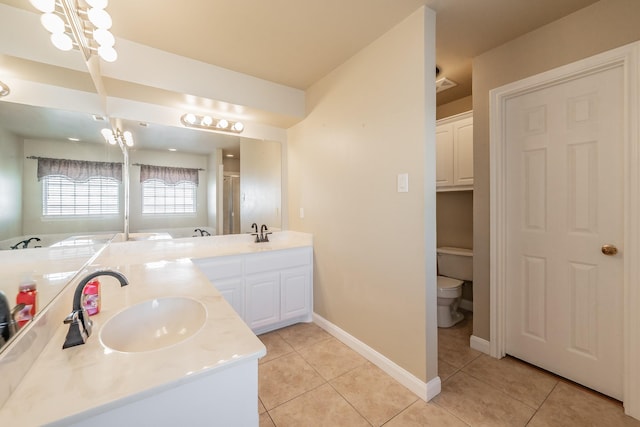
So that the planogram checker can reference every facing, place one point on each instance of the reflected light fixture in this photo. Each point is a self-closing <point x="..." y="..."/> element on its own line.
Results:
<point x="4" y="89"/>
<point x="118" y="137"/>
<point x="83" y="24"/>
<point x="210" y="123"/>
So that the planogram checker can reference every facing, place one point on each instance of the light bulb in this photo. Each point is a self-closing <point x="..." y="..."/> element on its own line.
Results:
<point x="98" y="4"/>
<point x="128" y="138"/>
<point x="190" y="118"/>
<point x="104" y="37"/>
<point x="108" y="136"/>
<point x="45" y="6"/>
<point x="107" y="53"/>
<point x="207" y="120"/>
<point x="223" y="124"/>
<point x="62" y="41"/>
<point x="238" y="126"/>
<point x="100" y="18"/>
<point x="52" y="22"/>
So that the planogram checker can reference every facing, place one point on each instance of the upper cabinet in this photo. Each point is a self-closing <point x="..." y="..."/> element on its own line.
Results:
<point x="454" y="153"/>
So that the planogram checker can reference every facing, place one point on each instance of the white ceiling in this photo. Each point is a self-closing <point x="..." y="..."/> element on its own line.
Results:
<point x="297" y="42"/>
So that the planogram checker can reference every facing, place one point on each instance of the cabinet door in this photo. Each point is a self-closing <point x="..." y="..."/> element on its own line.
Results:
<point x="444" y="155"/>
<point x="233" y="291"/>
<point x="262" y="299"/>
<point x="463" y="152"/>
<point x="295" y="290"/>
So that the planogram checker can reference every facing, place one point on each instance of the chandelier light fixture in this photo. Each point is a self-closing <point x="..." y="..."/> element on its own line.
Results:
<point x="210" y="123"/>
<point x="83" y="24"/>
<point x="117" y="137"/>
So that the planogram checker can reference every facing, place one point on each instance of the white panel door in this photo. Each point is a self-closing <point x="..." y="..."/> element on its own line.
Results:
<point x="565" y="201"/>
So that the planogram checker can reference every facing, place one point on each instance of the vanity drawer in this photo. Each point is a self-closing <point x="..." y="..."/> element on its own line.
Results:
<point x="220" y="267"/>
<point x="277" y="260"/>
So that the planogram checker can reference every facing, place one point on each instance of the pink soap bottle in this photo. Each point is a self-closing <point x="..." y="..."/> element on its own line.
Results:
<point x="91" y="297"/>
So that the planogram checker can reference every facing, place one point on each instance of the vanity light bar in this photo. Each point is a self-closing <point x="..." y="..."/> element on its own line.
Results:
<point x="209" y="123"/>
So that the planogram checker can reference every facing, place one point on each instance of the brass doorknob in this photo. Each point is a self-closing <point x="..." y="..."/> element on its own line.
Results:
<point x="609" y="250"/>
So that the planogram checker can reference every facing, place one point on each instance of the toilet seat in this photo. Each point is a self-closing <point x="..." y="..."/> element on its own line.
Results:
<point x="445" y="282"/>
<point x="448" y="287"/>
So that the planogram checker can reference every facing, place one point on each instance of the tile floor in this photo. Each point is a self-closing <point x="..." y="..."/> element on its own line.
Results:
<point x="310" y="379"/>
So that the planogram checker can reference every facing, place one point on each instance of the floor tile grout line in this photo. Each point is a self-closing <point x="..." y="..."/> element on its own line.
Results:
<point x="350" y="403"/>
<point x="504" y="392"/>
<point x="543" y="402"/>
<point x="449" y="412"/>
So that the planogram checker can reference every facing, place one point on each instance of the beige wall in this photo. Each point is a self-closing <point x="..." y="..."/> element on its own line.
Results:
<point x="454" y="218"/>
<point x="458" y="106"/>
<point x="597" y="28"/>
<point x="368" y="120"/>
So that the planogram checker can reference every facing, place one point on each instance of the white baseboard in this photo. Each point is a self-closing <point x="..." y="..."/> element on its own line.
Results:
<point x="425" y="391"/>
<point x="480" y="344"/>
<point x="466" y="304"/>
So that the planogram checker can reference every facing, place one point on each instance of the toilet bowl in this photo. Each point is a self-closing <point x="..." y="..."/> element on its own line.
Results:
<point x="455" y="266"/>
<point x="449" y="295"/>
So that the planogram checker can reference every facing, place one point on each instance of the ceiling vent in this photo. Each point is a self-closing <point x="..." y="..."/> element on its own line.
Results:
<point x="444" y="84"/>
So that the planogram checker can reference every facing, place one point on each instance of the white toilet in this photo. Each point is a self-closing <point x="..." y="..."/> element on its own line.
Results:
<point x="455" y="266"/>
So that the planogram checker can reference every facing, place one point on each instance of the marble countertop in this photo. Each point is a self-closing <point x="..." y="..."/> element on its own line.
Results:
<point x="68" y="385"/>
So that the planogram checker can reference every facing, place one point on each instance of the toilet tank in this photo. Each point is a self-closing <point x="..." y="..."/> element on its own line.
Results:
<point x="456" y="263"/>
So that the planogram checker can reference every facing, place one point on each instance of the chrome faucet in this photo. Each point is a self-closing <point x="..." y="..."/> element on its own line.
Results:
<point x="78" y="320"/>
<point x="264" y="237"/>
<point x="254" y="226"/>
<point x="202" y="232"/>
<point x="25" y="243"/>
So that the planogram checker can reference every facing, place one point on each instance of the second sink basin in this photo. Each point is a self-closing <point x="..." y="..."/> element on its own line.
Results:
<point x="153" y="324"/>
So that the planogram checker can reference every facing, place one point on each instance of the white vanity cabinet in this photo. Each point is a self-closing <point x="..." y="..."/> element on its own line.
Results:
<point x="226" y="273"/>
<point x="454" y="153"/>
<point x="269" y="289"/>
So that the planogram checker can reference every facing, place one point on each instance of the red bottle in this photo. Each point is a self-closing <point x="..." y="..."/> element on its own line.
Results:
<point x="28" y="296"/>
<point x="91" y="297"/>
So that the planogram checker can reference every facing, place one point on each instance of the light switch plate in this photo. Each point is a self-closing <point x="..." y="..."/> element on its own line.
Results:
<point x="403" y="183"/>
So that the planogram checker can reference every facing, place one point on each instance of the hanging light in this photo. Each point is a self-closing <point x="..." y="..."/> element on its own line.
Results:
<point x="52" y="23"/>
<point x="118" y="137"/>
<point x="62" y="41"/>
<point x="82" y="24"/>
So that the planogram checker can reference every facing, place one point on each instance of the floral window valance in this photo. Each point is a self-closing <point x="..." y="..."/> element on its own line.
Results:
<point x="78" y="170"/>
<point x="169" y="175"/>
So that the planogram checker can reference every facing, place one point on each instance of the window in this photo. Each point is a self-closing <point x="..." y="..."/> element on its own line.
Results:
<point x="159" y="197"/>
<point x="62" y="196"/>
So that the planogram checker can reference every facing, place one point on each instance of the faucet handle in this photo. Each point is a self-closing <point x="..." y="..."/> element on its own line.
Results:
<point x="79" y="329"/>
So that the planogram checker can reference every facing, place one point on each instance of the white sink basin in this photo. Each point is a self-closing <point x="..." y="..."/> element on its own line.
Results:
<point x="153" y="324"/>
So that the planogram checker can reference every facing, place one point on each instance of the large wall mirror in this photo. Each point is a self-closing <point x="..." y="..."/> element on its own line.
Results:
<point x="240" y="182"/>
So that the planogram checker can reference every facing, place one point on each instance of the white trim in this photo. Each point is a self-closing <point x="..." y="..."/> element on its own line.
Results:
<point x="480" y="344"/>
<point x="627" y="57"/>
<point x="425" y="391"/>
<point x="454" y="118"/>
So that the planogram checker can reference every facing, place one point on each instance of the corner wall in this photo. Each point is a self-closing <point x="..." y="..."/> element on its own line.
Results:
<point x="597" y="28"/>
<point x="370" y="119"/>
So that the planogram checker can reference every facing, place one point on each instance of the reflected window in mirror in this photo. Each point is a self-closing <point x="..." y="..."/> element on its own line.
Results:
<point x="159" y="197"/>
<point x="62" y="196"/>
